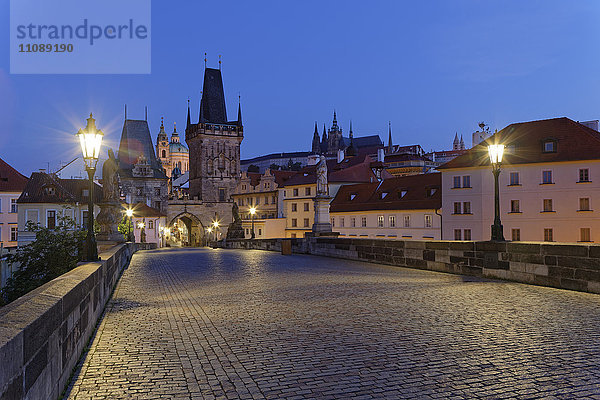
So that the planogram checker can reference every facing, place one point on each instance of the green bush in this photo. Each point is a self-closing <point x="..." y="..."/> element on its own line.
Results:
<point x="51" y="254"/>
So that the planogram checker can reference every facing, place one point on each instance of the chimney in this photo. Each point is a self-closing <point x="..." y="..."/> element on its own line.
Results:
<point x="340" y="155"/>
<point x="381" y="155"/>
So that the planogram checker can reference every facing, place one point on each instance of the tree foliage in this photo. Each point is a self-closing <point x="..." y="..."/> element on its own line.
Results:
<point x="125" y="226"/>
<point x="51" y="254"/>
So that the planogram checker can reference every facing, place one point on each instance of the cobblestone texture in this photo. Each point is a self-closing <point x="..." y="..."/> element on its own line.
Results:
<point x="234" y="324"/>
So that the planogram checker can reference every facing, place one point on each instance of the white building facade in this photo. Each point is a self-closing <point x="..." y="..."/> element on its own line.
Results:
<point x="548" y="185"/>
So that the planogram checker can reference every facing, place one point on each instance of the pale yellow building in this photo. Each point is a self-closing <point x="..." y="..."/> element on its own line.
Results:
<point x="172" y="153"/>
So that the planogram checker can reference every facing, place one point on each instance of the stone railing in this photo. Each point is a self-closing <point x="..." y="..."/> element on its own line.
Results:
<point x="43" y="333"/>
<point x="560" y="265"/>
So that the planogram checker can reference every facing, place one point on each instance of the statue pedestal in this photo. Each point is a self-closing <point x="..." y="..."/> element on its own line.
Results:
<point x="322" y="223"/>
<point x="108" y="218"/>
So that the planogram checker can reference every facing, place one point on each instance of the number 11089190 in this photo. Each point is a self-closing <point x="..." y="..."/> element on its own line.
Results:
<point x="45" y="48"/>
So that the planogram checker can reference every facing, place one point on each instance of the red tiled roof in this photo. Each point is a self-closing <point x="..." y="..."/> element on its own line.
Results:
<point x="525" y="141"/>
<point x="11" y="180"/>
<point x="352" y="169"/>
<point x="143" y="210"/>
<point x="37" y="190"/>
<point x="423" y="192"/>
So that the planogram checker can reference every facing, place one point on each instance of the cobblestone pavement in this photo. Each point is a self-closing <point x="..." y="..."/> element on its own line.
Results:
<point x="205" y="324"/>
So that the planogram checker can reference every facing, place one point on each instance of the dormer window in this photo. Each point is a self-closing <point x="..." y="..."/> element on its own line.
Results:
<point x="402" y="193"/>
<point x="50" y="190"/>
<point x="383" y="195"/>
<point x="85" y="193"/>
<point x="549" y="146"/>
<point x="431" y="192"/>
<point x="352" y="196"/>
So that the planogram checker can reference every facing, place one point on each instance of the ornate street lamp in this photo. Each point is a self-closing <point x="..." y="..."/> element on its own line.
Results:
<point x="496" y="151"/>
<point x="252" y="212"/>
<point x="216" y="229"/>
<point x="129" y="213"/>
<point x="90" y="140"/>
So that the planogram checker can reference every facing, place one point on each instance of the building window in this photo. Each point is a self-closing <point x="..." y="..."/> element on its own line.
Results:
<point x="273" y="200"/>
<point x="266" y="199"/>
<point x="457" y="234"/>
<point x="247" y="231"/>
<point x="546" y="177"/>
<point x="363" y="222"/>
<point x="307" y="191"/>
<point x="221" y="194"/>
<point x="456" y="182"/>
<point x="241" y="202"/>
<point x="138" y="191"/>
<point x="294" y="222"/>
<point x="157" y="191"/>
<point x="467" y="181"/>
<point x="514" y="179"/>
<point x="380" y="221"/>
<point x="584" y="175"/>
<point x="157" y="205"/>
<point x="51" y="219"/>
<point x="584" y="204"/>
<point x="32" y="216"/>
<point x="467" y="234"/>
<point x="332" y="222"/>
<point x="516" y="235"/>
<point x="515" y="206"/>
<point x="306" y="206"/>
<point x="294" y="207"/>
<point x="14" y="233"/>
<point x="547" y="205"/>
<point x="353" y="222"/>
<point x="548" y="235"/>
<point x="341" y="222"/>
<point x="249" y="200"/>
<point x="392" y="221"/>
<point x="428" y="221"/>
<point x="585" y="235"/>
<point x="306" y="222"/>
<point x="406" y="221"/>
<point x="150" y="224"/>
<point x="467" y="207"/>
<point x="243" y="187"/>
<point x="293" y="236"/>
<point x="13" y="205"/>
<point x="257" y="200"/>
<point x="549" y="146"/>
<point x="295" y="192"/>
<point x="259" y="232"/>
<point x="457" y="207"/>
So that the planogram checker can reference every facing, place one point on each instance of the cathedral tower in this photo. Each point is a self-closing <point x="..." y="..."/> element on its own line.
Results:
<point x="214" y="144"/>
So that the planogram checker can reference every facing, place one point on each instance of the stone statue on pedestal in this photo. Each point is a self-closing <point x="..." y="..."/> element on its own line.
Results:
<point x="235" y="229"/>
<point x="322" y="225"/>
<point x="111" y="211"/>
<point x="322" y="186"/>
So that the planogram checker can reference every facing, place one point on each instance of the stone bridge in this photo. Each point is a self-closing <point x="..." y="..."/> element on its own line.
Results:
<point x="250" y="324"/>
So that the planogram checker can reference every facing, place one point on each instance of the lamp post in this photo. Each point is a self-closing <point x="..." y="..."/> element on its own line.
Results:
<point x="209" y="230"/>
<point x="129" y="213"/>
<point x="90" y="140"/>
<point x="495" y="152"/>
<point x="141" y="226"/>
<point x="216" y="229"/>
<point x="252" y="212"/>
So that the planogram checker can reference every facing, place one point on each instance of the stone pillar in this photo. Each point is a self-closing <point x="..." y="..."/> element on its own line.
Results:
<point x="322" y="223"/>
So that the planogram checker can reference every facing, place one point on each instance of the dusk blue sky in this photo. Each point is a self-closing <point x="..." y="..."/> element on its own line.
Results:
<point x="432" y="68"/>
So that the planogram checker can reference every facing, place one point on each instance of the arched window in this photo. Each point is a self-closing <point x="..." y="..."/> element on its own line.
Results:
<point x="164" y="154"/>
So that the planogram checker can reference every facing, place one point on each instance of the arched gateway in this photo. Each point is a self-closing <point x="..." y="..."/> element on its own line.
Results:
<point x="187" y="230"/>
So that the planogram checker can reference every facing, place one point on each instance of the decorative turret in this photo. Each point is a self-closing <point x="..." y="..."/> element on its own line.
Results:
<point x="239" y="119"/>
<point x="175" y="135"/>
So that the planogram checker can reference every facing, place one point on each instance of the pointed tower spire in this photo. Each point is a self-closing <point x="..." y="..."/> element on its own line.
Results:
<point x="462" y="143"/>
<point x="324" y="140"/>
<point x="455" y="143"/>
<point x="316" y="142"/>
<point x="239" y="120"/>
<point x="351" y="150"/>
<point x="334" y="116"/>
<point x="189" y="119"/>
<point x="390" y="136"/>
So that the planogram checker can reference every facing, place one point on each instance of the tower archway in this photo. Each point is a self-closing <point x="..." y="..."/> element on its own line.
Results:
<point x="187" y="230"/>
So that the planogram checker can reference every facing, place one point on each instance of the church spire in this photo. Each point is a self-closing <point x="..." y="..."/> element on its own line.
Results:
<point x="316" y="142"/>
<point x="189" y="119"/>
<point x="351" y="150"/>
<point x="390" y="136"/>
<point x="239" y="120"/>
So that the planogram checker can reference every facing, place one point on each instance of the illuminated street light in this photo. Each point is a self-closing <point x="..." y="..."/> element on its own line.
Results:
<point x="495" y="152"/>
<point x="90" y="140"/>
<point x="252" y="212"/>
<point x="129" y="213"/>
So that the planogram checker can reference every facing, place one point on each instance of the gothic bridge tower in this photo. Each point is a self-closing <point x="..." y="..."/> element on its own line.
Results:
<point x="214" y="144"/>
